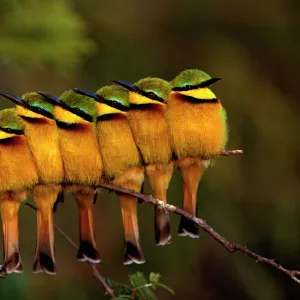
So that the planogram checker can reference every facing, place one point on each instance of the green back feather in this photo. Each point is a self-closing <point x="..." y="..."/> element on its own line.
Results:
<point x="9" y="119"/>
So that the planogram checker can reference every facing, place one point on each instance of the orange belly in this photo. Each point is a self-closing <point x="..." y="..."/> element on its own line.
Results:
<point x="80" y="155"/>
<point x="150" y="131"/>
<point x="196" y="129"/>
<point x="18" y="170"/>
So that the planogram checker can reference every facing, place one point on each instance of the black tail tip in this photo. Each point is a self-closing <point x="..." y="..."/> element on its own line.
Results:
<point x="162" y="227"/>
<point x="188" y="228"/>
<point x="87" y="252"/>
<point x="44" y="263"/>
<point x="13" y="264"/>
<point x="133" y="254"/>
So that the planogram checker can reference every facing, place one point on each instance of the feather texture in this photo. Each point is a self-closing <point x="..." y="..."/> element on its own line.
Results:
<point x="42" y="138"/>
<point x="117" y="147"/>
<point x="150" y="131"/>
<point x="80" y="152"/>
<point x="196" y="129"/>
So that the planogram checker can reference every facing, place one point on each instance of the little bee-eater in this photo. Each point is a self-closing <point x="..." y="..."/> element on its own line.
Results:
<point x="18" y="173"/>
<point x="147" y="119"/>
<point x="75" y="116"/>
<point x="122" y="163"/>
<point x="42" y="137"/>
<point x="198" y="130"/>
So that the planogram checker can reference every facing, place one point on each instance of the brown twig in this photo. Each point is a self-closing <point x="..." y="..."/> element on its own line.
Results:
<point x="230" y="246"/>
<point x="96" y="273"/>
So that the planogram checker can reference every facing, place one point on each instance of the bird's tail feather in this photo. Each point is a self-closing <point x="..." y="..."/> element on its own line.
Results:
<point x="132" y="250"/>
<point x="87" y="246"/>
<point x="44" y="260"/>
<point x="162" y="227"/>
<point x="159" y="177"/>
<point x="12" y="258"/>
<point x="191" y="175"/>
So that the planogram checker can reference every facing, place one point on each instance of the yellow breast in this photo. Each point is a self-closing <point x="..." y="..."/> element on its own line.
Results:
<point x="150" y="131"/>
<point x="80" y="154"/>
<point x="196" y="129"/>
<point x="42" y="138"/>
<point x="117" y="147"/>
<point x="18" y="170"/>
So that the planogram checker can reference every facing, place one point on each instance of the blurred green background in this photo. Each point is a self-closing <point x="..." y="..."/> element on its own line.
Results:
<point x="252" y="199"/>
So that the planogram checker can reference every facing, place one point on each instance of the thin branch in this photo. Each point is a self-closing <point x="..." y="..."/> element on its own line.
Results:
<point x="230" y="246"/>
<point x="231" y="152"/>
<point x="96" y="273"/>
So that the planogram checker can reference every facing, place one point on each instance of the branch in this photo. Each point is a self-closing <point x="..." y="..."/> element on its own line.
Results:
<point x="231" y="152"/>
<point x="96" y="273"/>
<point x="230" y="246"/>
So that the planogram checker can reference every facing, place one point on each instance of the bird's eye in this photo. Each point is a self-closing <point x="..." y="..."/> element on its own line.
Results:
<point x="38" y="109"/>
<point x="77" y="110"/>
<point x="187" y="86"/>
<point x="8" y="130"/>
<point x="152" y="95"/>
<point x="115" y="102"/>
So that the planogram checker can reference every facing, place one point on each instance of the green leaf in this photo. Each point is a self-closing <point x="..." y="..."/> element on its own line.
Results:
<point x="166" y="288"/>
<point x="120" y="297"/>
<point x="147" y="293"/>
<point x="137" y="279"/>
<point x="154" y="277"/>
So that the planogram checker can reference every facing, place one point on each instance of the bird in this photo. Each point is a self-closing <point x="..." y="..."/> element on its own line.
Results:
<point x="75" y="116"/>
<point x="198" y="129"/>
<point x="18" y="173"/>
<point x="122" y="164"/>
<point x="147" y="120"/>
<point x="42" y="137"/>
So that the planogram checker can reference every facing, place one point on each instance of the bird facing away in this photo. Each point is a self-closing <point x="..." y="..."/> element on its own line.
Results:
<point x="42" y="137"/>
<point x="198" y="129"/>
<point x="75" y="117"/>
<point x="147" y="119"/>
<point x="122" y="163"/>
<point x="18" y="173"/>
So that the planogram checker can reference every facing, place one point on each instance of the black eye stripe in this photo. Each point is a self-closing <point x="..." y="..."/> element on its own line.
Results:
<point x="204" y="84"/>
<point x="77" y="111"/>
<point x="40" y="111"/>
<point x="113" y="103"/>
<point x="13" y="131"/>
<point x="151" y="95"/>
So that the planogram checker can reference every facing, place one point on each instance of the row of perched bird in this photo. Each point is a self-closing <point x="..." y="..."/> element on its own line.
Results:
<point x="115" y="135"/>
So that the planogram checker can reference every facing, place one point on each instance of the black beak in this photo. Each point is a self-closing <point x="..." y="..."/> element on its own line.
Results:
<point x="86" y="93"/>
<point x="16" y="99"/>
<point x="127" y="85"/>
<point x="209" y="82"/>
<point x="51" y="99"/>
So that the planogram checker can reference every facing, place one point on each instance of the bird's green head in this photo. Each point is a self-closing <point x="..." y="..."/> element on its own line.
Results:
<point x="10" y="124"/>
<point x="194" y="83"/>
<point x="72" y="108"/>
<point x="147" y="91"/>
<point x="112" y="99"/>
<point x="35" y="107"/>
